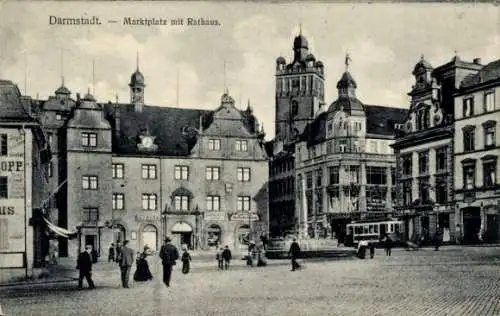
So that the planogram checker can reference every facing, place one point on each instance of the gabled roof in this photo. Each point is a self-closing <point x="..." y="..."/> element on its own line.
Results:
<point x="175" y="129"/>
<point x="12" y="108"/>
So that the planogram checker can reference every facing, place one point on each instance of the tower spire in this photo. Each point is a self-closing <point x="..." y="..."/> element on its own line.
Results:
<point x="300" y="28"/>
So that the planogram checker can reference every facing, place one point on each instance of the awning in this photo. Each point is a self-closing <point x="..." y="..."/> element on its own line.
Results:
<point x="181" y="228"/>
<point x="59" y="230"/>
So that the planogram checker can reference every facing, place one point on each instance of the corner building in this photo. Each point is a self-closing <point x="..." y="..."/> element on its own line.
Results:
<point x="327" y="166"/>
<point x="345" y="167"/>
<point x="24" y="157"/>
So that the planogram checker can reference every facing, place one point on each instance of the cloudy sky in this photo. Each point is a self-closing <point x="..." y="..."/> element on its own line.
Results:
<point x="384" y="41"/>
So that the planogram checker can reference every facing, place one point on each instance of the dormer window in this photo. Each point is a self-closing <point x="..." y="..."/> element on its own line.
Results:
<point x="214" y="144"/>
<point x="89" y="139"/>
<point x="241" y="146"/>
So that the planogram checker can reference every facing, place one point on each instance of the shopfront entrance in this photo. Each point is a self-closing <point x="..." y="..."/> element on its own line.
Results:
<point x="214" y="236"/>
<point x="472" y="224"/>
<point x="182" y="234"/>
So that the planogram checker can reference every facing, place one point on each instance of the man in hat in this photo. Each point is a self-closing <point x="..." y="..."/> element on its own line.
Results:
<point x="168" y="255"/>
<point x="126" y="262"/>
<point x="84" y="264"/>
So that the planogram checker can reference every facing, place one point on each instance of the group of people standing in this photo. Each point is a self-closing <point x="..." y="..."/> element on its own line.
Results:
<point x="223" y="258"/>
<point x="124" y="256"/>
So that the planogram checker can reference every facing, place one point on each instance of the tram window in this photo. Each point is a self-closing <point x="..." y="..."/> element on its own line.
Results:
<point x="397" y="228"/>
<point x="391" y="229"/>
<point x="371" y="229"/>
<point x="350" y="230"/>
<point x="365" y="229"/>
<point x="375" y="230"/>
<point x="358" y="230"/>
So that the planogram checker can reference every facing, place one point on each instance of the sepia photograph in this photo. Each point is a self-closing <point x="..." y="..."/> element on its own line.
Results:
<point x="249" y="158"/>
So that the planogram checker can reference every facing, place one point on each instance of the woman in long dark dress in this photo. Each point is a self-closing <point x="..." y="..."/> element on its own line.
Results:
<point x="142" y="272"/>
<point x="185" y="261"/>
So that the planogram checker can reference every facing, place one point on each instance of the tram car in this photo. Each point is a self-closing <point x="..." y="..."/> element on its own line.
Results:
<point x="374" y="231"/>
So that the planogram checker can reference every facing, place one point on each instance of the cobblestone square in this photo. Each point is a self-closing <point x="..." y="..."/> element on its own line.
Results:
<point x="452" y="281"/>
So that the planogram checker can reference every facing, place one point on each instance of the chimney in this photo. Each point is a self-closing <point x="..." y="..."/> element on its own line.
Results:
<point x="477" y="61"/>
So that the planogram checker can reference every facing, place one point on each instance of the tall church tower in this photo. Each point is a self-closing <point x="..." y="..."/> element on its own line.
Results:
<point x="137" y="88"/>
<point x="299" y="91"/>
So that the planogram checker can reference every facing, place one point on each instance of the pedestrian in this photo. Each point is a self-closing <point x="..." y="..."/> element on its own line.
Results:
<point x="388" y="245"/>
<point x="372" y="250"/>
<point x="186" y="258"/>
<point x="220" y="260"/>
<point x="118" y="257"/>
<point x="294" y="252"/>
<point x="226" y="257"/>
<point x="127" y="259"/>
<point x="84" y="265"/>
<point x="438" y="238"/>
<point x="111" y="253"/>
<point x="168" y="255"/>
<point x="95" y="255"/>
<point x="142" y="272"/>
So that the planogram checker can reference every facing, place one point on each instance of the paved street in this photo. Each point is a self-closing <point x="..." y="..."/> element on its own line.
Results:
<point x="453" y="281"/>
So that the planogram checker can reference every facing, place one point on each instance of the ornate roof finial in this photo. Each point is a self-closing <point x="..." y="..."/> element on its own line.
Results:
<point x="300" y="28"/>
<point x="347" y="61"/>
<point x="116" y="98"/>
<point x="422" y="57"/>
<point x="137" y="61"/>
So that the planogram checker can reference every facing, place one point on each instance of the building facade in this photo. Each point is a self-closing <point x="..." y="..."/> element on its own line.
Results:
<point x="141" y="172"/>
<point x="345" y="167"/>
<point x="24" y="155"/>
<point x="476" y="153"/>
<point x="327" y="166"/>
<point x="424" y="151"/>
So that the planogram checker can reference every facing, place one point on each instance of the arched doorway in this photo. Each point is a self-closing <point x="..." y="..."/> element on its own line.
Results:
<point x="150" y="237"/>
<point x="182" y="234"/>
<point x="214" y="236"/>
<point x="243" y="237"/>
